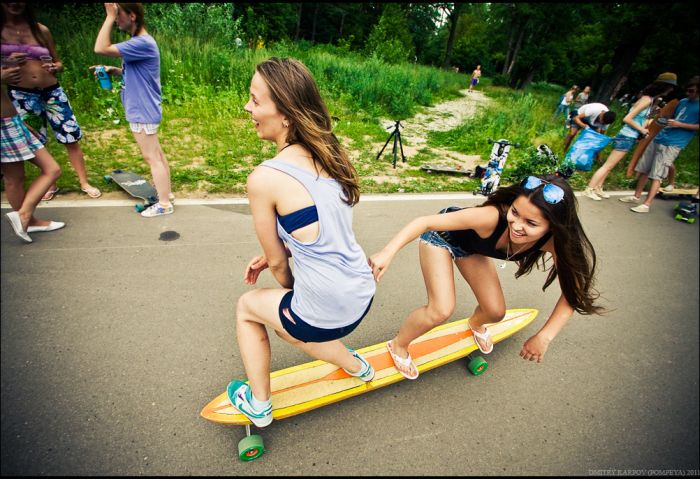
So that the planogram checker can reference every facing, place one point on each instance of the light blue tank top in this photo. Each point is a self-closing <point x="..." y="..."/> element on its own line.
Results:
<point x="641" y="117"/>
<point x="333" y="284"/>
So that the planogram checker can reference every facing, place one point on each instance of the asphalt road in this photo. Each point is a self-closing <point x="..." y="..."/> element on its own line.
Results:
<point x="113" y="340"/>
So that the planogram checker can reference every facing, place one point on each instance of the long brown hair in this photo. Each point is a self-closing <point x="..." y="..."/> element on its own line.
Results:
<point x="296" y="95"/>
<point x="28" y="16"/>
<point x="576" y="258"/>
<point x="136" y="9"/>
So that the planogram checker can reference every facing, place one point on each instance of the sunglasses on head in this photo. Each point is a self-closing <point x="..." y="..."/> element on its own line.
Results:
<point x="552" y="193"/>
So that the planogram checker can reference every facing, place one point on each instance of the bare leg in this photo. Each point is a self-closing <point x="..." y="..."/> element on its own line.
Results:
<point x="77" y="160"/>
<point x="258" y="309"/>
<point x="13" y="175"/>
<point x="160" y="170"/>
<point x="598" y="178"/>
<point x="436" y="265"/>
<point x="480" y="273"/>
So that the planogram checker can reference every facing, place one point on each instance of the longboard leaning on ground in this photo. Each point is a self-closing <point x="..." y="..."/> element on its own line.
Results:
<point x="308" y="386"/>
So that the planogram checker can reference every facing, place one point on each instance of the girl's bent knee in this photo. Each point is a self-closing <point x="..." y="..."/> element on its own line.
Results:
<point x="437" y="316"/>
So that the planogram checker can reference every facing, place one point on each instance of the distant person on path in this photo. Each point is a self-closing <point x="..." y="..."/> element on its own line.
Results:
<point x="566" y="100"/>
<point x="18" y="145"/>
<point x="521" y="223"/>
<point x="665" y="148"/>
<point x="141" y="93"/>
<point x="635" y="126"/>
<point x="593" y="115"/>
<point x="476" y="74"/>
<point x="37" y="95"/>
<point x="301" y="202"/>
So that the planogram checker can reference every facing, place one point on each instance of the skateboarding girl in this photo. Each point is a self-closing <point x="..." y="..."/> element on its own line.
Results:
<point x="301" y="201"/>
<point x="523" y="223"/>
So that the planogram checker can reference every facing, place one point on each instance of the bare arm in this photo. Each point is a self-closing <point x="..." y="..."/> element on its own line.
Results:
<point x="536" y="346"/>
<point x="103" y="44"/>
<point x="483" y="220"/>
<point x="56" y="65"/>
<point x="262" y="205"/>
<point x="641" y="104"/>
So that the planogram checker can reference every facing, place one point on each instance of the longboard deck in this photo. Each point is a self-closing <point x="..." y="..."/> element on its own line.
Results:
<point x="135" y="185"/>
<point x="317" y="383"/>
<point x="677" y="194"/>
<point x="446" y="169"/>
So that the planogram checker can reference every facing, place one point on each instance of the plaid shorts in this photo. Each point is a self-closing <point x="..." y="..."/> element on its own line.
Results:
<point x="17" y="142"/>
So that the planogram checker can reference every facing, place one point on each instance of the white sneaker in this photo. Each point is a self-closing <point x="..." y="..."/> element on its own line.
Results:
<point x="641" y="208"/>
<point x="157" y="210"/>
<point x="591" y="194"/>
<point x="630" y="199"/>
<point x="599" y="191"/>
<point x="667" y="189"/>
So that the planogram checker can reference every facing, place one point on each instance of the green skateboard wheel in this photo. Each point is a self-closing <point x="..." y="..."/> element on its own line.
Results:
<point x="678" y="216"/>
<point x="477" y="365"/>
<point x="107" y="178"/>
<point x="691" y="220"/>
<point x="139" y="207"/>
<point x="250" y="447"/>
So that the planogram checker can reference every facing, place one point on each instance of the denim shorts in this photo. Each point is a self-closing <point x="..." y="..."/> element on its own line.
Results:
<point x="311" y="334"/>
<point x="438" y="238"/>
<point x="623" y="143"/>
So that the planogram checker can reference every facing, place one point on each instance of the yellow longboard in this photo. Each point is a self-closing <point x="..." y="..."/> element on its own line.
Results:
<point x="317" y="383"/>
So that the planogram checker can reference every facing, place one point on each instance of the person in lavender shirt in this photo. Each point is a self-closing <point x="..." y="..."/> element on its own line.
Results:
<point x="140" y="93"/>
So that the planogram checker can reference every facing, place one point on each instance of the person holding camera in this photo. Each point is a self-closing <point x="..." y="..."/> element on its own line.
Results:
<point x="635" y="127"/>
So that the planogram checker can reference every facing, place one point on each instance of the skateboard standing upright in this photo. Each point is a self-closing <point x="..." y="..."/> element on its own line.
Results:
<point x="497" y="160"/>
<point x="136" y="186"/>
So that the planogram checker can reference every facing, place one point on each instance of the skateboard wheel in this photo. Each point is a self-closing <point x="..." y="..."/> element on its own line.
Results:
<point x="250" y="447"/>
<point x="477" y="365"/>
<point x="139" y="207"/>
<point x="678" y="216"/>
<point x="691" y="220"/>
<point x="107" y="178"/>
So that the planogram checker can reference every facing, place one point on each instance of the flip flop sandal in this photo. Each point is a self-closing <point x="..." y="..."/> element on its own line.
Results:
<point x="406" y="363"/>
<point x="483" y="336"/>
<point x="48" y="196"/>
<point x="92" y="192"/>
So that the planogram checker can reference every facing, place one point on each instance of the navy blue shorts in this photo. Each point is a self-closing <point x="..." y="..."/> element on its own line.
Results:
<point x="311" y="334"/>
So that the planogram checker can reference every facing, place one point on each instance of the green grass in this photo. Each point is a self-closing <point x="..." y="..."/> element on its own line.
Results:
<point x="212" y="146"/>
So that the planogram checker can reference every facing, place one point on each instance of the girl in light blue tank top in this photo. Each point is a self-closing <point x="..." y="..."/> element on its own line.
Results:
<point x="333" y="283"/>
<point x="627" y="137"/>
<point x="301" y="203"/>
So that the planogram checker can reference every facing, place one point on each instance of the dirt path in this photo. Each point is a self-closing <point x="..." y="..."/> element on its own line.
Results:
<point x="441" y="117"/>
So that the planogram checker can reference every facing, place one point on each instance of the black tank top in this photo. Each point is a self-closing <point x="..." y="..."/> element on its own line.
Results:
<point x="471" y="243"/>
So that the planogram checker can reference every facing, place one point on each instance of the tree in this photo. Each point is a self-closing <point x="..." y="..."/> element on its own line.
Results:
<point x="390" y="39"/>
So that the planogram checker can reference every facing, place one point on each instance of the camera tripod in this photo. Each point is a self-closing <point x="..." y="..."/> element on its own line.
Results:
<point x="396" y="134"/>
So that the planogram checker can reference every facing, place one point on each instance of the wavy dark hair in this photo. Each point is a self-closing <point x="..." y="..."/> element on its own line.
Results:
<point x="28" y="16"/>
<point x="576" y="258"/>
<point x="296" y="95"/>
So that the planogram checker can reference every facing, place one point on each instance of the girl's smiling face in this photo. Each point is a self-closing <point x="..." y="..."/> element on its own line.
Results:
<point x="267" y="118"/>
<point x="526" y="223"/>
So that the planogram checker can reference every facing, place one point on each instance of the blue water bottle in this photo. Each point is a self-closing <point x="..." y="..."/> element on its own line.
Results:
<point x="103" y="76"/>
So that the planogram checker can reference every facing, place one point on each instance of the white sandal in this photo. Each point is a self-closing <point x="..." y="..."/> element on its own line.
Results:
<point x="406" y="363"/>
<point x="483" y="336"/>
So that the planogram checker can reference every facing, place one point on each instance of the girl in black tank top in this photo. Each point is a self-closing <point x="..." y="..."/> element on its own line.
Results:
<point x="533" y="222"/>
